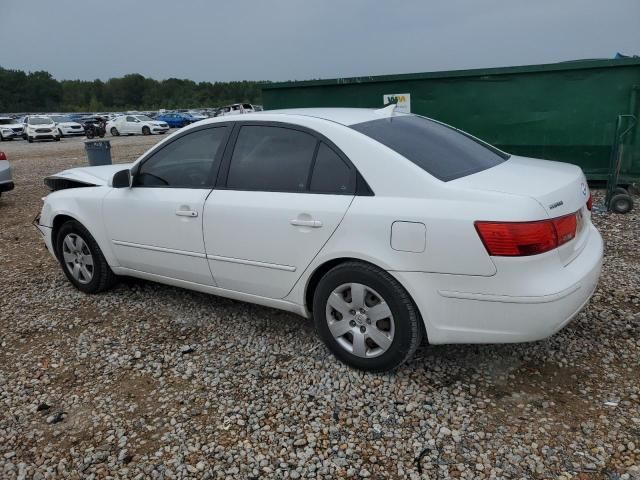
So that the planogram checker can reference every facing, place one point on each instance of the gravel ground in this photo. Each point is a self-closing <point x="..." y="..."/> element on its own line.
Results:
<point x="150" y="381"/>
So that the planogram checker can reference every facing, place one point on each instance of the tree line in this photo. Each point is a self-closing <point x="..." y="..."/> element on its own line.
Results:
<point x="40" y="92"/>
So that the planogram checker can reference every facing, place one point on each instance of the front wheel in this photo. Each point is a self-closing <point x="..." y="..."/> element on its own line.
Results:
<point x="146" y="131"/>
<point x="57" y="139"/>
<point x="114" y="131"/>
<point x="366" y="318"/>
<point x="30" y="140"/>
<point x="81" y="259"/>
<point x="90" y="134"/>
<point x="60" y="134"/>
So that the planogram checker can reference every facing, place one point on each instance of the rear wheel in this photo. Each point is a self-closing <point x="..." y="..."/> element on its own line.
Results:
<point x="366" y="318"/>
<point x="146" y="131"/>
<point x="81" y="259"/>
<point x="114" y="131"/>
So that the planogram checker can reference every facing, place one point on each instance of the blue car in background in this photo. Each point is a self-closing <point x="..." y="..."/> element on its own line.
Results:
<point x="176" y="120"/>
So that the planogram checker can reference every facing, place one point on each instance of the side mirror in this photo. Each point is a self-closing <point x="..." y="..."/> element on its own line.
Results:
<point x="121" y="179"/>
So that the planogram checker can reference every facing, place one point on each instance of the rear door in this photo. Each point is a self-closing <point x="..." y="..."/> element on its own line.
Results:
<point x="281" y="194"/>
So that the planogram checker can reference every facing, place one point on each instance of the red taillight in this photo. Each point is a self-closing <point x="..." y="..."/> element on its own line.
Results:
<point x="2" y="156"/>
<point x="519" y="239"/>
<point x="589" y="202"/>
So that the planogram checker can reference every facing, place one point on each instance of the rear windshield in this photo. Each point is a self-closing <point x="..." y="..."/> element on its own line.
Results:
<point x="442" y="151"/>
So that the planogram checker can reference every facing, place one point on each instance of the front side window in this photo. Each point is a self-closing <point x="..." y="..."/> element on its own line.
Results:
<point x="442" y="151"/>
<point x="271" y="159"/>
<point x="188" y="162"/>
<point x="131" y="119"/>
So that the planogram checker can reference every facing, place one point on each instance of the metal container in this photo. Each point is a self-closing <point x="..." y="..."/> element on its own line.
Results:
<point x="563" y="111"/>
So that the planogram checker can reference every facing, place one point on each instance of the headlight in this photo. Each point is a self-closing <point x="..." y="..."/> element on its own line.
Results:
<point x="6" y="130"/>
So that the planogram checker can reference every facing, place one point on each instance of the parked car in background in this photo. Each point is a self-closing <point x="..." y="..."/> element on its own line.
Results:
<point x="176" y="120"/>
<point x="40" y="127"/>
<point x="385" y="228"/>
<point x="6" y="180"/>
<point x="235" y="109"/>
<point x="67" y="127"/>
<point x="135" y="125"/>
<point x="75" y="117"/>
<point x="10" y="128"/>
<point x="197" y="115"/>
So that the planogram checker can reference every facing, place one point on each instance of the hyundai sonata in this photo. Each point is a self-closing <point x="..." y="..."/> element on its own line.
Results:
<point x="383" y="227"/>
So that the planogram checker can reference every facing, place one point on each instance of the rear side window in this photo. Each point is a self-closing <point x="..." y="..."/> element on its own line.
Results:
<point x="442" y="151"/>
<point x="271" y="159"/>
<point x="330" y="173"/>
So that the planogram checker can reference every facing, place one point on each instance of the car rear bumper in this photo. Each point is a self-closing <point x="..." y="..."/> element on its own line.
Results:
<point x="528" y="302"/>
<point x="6" y="186"/>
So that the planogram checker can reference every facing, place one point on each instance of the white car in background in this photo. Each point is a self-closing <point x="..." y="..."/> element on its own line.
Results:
<point x="67" y="127"/>
<point x="384" y="227"/>
<point x="40" y="127"/>
<point x="10" y="128"/>
<point x="6" y="180"/>
<point x="135" y="125"/>
<point x="235" y="109"/>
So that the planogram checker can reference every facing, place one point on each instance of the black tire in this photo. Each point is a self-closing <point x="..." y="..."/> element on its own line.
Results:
<point x="2" y="139"/>
<point x="102" y="276"/>
<point x="114" y="132"/>
<point x="90" y="134"/>
<point x="621" y="203"/>
<point x="407" y="319"/>
<point x="146" y="131"/>
<point x="30" y="140"/>
<point x="57" y="139"/>
<point x="60" y="134"/>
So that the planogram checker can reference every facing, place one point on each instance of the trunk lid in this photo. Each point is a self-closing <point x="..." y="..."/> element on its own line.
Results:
<point x="560" y="188"/>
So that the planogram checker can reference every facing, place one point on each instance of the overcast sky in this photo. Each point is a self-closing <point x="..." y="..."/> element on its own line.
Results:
<point x="302" y="39"/>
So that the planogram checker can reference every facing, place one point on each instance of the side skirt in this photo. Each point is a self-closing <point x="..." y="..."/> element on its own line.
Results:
<point x="243" y="297"/>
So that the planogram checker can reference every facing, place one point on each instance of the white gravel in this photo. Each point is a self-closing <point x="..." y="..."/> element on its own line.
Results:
<point x="150" y="381"/>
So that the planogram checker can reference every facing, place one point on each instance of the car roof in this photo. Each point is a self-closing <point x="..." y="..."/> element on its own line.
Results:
<point x="344" y="116"/>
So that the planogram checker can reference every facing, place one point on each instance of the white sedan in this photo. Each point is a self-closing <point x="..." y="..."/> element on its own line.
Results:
<point x="385" y="228"/>
<point x="135" y="125"/>
<point x="67" y="127"/>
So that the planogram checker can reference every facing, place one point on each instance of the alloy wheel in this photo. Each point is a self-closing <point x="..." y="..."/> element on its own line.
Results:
<point x="77" y="258"/>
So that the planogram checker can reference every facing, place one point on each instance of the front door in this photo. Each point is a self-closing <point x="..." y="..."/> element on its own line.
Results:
<point x="156" y="225"/>
<point x="275" y="209"/>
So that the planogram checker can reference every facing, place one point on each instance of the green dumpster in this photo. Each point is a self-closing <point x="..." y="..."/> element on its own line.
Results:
<point x="563" y="111"/>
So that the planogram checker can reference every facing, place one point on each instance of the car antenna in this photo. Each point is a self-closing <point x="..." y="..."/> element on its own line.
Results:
<point x="388" y="110"/>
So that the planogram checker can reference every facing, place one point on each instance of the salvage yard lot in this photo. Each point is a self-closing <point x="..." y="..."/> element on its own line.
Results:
<point x="156" y="381"/>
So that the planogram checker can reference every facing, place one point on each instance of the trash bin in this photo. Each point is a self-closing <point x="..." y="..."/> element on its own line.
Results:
<point x="98" y="152"/>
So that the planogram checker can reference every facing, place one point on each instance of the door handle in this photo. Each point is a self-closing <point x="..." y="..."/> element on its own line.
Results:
<point x="306" y="223"/>
<point x="186" y="213"/>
